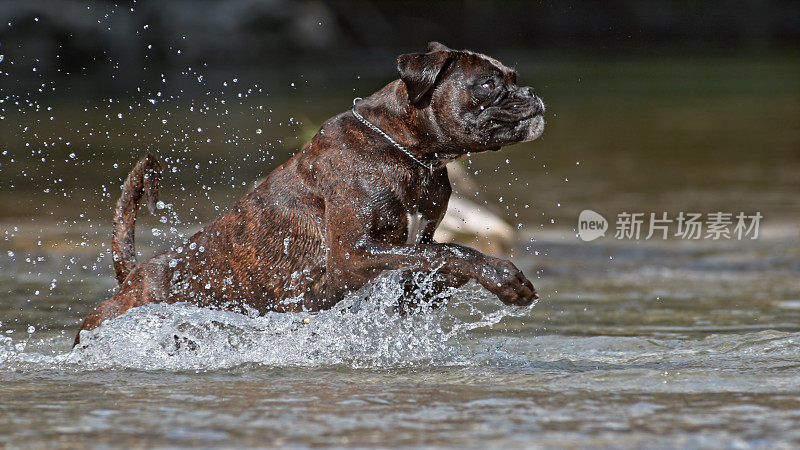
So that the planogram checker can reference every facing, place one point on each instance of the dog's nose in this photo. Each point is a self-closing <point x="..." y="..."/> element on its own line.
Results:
<point x="528" y="91"/>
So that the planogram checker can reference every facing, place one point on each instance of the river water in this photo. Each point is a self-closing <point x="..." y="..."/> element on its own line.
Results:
<point x="674" y="343"/>
<point x="670" y="346"/>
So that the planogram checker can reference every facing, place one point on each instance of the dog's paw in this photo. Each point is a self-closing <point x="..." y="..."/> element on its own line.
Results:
<point x="502" y="278"/>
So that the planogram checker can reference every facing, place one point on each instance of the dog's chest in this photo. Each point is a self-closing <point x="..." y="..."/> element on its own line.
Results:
<point x="416" y="226"/>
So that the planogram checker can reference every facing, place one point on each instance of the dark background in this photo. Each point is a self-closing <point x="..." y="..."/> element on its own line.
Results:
<point x="102" y="46"/>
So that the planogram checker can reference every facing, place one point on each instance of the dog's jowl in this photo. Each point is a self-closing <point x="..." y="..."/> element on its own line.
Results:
<point x="364" y="196"/>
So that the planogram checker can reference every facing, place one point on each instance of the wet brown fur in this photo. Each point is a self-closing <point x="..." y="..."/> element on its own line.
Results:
<point x="328" y="220"/>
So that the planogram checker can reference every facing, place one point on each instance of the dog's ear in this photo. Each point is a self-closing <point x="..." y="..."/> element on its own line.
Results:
<point x="438" y="46"/>
<point x="420" y="71"/>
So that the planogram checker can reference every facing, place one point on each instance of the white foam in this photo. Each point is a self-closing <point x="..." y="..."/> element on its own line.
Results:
<point x="364" y="330"/>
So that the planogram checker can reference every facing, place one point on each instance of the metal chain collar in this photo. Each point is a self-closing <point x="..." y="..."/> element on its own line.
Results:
<point x="374" y="128"/>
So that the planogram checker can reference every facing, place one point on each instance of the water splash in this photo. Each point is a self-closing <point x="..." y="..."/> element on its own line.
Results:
<point x="365" y="330"/>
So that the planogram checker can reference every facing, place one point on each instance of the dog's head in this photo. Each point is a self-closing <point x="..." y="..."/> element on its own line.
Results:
<point x="473" y="98"/>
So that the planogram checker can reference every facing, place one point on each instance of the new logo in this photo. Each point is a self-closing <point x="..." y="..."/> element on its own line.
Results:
<point x="591" y="225"/>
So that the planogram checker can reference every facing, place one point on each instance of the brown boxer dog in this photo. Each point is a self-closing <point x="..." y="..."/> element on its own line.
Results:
<point x="364" y="196"/>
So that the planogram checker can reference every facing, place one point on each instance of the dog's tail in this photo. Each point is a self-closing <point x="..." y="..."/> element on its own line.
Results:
<point x="144" y="179"/>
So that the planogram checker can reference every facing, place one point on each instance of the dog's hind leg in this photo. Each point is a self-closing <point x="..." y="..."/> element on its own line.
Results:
<point x="147" y="283"/>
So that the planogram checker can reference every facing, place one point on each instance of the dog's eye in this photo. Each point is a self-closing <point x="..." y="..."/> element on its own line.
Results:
<point x="488" y="84"/>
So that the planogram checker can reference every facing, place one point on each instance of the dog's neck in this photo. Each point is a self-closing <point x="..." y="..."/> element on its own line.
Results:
<point x="406" y="124"/>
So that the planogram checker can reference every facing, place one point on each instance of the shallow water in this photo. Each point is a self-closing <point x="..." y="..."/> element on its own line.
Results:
<point x="665" y="346"/>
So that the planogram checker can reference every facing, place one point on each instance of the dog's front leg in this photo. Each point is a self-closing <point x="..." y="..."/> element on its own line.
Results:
<point x="457" y="262"/>
<point x="428" y="289"/>
<point x="354" y="258"/>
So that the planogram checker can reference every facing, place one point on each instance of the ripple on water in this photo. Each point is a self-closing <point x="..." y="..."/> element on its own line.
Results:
<point x="364" y="331"/>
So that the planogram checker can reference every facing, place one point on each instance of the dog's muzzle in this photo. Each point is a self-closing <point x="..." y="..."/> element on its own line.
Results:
<point x="536" y="126"/>
<point x="536" y="104"/>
